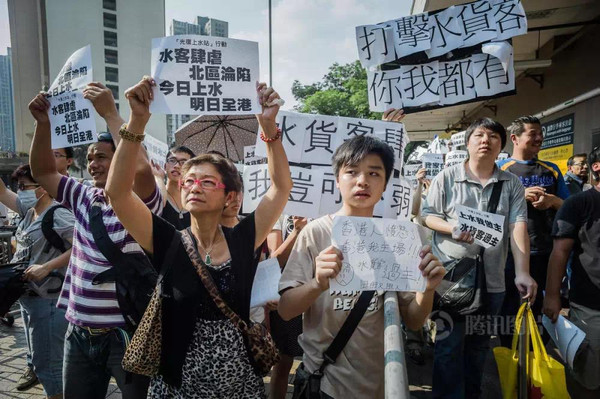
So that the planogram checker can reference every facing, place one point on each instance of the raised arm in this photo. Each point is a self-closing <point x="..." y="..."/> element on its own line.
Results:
<point x="8" y="197"/>
<point x="270" y="207"/>
<point x="282" y="253"/>
<point x="104" y="104"/>
<point x="41" y="156"/>
<point x="130" y="209"/>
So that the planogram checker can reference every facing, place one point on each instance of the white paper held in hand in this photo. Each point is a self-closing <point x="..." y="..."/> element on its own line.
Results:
<point x="266" y="282"/>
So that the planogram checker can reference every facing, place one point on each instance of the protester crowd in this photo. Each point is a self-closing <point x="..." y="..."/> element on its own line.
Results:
<point x="95" y="252"/>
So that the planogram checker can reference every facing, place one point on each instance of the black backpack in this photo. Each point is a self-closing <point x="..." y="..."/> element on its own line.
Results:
<point x="134" y="276"/>
<point x="48" y="230"/>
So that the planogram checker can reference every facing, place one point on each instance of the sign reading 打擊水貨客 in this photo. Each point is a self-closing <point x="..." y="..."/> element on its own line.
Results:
<point x="204" y="75"/>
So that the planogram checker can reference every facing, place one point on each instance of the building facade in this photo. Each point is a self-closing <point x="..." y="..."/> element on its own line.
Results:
<point x="45" y="33"/>
<point x="7" y="119"/>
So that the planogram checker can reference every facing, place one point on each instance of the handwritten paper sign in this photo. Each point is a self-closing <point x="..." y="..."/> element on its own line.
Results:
<point x="204" y="75"/>
<point x="434" y="163"/>
<point x="72" y="116"/>
<point x="486" y="228"/>
<point x="455" y="157"/>
<point x="379" y="254"/>
<point x="266" y="281"/>
<point x="156" y="149"/>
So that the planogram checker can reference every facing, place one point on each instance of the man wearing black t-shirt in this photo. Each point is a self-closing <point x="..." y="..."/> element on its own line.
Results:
<point x="577" y="228"/>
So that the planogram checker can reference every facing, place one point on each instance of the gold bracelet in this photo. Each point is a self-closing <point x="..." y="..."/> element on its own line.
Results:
<point x="127" y="135"/>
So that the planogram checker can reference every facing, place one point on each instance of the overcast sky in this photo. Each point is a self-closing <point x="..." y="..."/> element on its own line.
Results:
<point x="308" y="35"/>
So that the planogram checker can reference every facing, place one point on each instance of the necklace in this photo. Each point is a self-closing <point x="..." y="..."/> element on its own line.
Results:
<point x="176" y="207"/>
<point x="207" y="258"/>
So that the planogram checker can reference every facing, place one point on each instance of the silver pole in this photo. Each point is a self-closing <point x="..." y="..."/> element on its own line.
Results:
<point x="396" y="378"/>
<point x="270" y="48"/>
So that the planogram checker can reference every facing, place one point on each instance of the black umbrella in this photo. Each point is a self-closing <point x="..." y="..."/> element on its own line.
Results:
<point x="226" y="134"/>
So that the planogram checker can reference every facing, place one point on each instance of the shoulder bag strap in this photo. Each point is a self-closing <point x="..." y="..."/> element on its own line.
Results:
<point x="208" y="282"/>
<point x="168" y="261"/>
<point x="49" y="233"/>
<point x="107" y="247"/>
<point x="493" y="204"/>
<point x="343" y="336"/>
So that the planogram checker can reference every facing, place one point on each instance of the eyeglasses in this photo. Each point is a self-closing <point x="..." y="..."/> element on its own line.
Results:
<point x="580" y="164"/>
<point x="205" y="184"/>
<point x="174" y="161"/>
<point x="59" y="155"/>
<point x="22" y="186"/>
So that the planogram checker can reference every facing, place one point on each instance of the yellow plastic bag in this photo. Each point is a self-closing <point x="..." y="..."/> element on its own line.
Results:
<point x="546" y="375"/>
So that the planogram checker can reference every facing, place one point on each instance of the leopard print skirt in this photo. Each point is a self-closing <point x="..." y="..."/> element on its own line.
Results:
<point x="216" y="366"/>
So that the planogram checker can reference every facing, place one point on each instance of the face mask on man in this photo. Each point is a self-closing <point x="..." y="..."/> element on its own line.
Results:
<point x="27" y="198"/>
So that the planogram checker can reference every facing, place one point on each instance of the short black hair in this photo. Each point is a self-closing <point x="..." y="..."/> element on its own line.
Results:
<point x="68" y="152"/>
<point x="180" y="148"/>
<point x="216" y="153"/>
<point x="592" y="158"/>
<point x="571" y="160"/>
<point x="517" y="127"/>
<point x="23" y="171"/>
<point x="106" y="137"/>
<point x="353" y="151"/>
<point x="486" y="123"/>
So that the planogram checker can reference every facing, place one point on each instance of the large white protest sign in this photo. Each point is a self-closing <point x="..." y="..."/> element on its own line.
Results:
<point x="420" y="84"/>
<point x="439" y="32"/>
<point x="156" y="149"/>
<point x="379" y="254"/>
<point x="491" y="77"/>
<point x="331" y="199"/>
<point x="312" y="139"/>
<point x="304" y="199"/>
<point x="71" y="120"/>
<point x="434" y="163"/>
<point x="75" y="74"/>
<point x="72" y="116"/>
<point x="265" y="284"/>
<point x="455" y="157"/>
<point x="204" y="75"/>
<point x="456" y="81"/>
<point x="486" y="228"/>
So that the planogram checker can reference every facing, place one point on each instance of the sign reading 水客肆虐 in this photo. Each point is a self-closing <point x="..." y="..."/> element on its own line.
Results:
<point x="72" y="116"/>
<point x="558" y="141"/>
<point x="204" y="75"/>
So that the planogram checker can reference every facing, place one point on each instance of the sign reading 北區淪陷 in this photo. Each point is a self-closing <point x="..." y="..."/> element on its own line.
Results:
<point x="204" y="75"/>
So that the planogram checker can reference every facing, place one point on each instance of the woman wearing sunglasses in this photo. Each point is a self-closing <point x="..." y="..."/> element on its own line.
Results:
<point x="203" y="353"/>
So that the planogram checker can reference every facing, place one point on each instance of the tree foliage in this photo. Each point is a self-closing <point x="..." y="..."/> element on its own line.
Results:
<point x="343" y="92"/>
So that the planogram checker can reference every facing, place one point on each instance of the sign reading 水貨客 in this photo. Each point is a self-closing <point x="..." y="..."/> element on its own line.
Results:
<point x="486" y="228"/>
<point x="72" y="116"/>
<point x="379" y="254"/>
<point x="204" y="75"/>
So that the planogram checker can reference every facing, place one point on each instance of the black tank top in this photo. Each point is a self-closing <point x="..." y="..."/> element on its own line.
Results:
<point x="181" y="220"/>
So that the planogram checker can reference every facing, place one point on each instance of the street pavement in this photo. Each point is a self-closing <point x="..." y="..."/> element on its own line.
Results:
<point x="12" y="365"/>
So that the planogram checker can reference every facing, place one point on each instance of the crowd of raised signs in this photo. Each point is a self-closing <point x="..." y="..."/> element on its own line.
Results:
<point x="185" y="275"/>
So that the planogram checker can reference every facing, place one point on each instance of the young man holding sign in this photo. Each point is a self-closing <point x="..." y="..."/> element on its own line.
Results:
<point x="363" y="166"/>
<point x="470" y="184"/>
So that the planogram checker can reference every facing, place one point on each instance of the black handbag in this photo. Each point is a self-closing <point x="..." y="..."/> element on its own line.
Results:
<point x="462" y="291"/>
